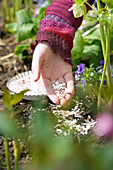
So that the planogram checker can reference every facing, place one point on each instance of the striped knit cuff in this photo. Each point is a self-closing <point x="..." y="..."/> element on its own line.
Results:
<point x="58" y="45"/>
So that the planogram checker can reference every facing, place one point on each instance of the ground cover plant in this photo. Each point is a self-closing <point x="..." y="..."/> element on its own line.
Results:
<point x="49" y="137"/>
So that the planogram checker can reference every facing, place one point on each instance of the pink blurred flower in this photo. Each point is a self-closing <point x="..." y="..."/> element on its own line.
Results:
<point x="104" y="126"/>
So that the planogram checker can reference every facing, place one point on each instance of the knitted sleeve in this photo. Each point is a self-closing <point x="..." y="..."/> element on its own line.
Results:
<point x="58" y="28"/>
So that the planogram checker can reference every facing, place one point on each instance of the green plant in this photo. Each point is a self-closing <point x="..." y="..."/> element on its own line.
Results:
<point x="8" y="126"/>
<point x="9" y="9"/>
<point x="104" y="16"/>
<point x="25" y="28"/>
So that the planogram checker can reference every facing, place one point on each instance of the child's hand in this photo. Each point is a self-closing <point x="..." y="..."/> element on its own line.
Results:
<point x="52" y="67"/>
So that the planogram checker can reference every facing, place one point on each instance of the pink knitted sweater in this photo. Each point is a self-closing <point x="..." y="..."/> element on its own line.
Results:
<point x="58" y="28"/>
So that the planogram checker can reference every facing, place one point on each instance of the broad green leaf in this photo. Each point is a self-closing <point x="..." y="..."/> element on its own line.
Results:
<point x="23" y="17"/>
<point x="94" y="52"/>
<point x="25" y="31"/>
<point x="25" y="25"/>
<point x="78" y="45"/>
<point x="18" y="97"/>
<point x="20" y="48"/>
<point x="94" y="35"/>
<point x="7" y="98"/>
<point x="11" y="27"/>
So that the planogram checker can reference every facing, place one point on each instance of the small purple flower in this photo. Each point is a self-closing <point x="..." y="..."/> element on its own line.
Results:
<point x="104" y="126"/>
<point x="101" y="63"/>
<point x="81" y="68"/>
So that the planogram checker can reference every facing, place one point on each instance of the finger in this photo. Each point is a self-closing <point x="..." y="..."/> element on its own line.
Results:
<point x="65" y="100"/>
<point x="36" y="65"/>
<point x="61" y="80"/>
<point x="70" y="83"/>
<point x="50" y="92"/>
<point x="36" y="71"/>
<point x="68" y="97"/>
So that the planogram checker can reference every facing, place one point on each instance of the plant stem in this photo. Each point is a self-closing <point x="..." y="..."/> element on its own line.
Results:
<point x="16" y="153"/>
<point x="14" y="8"/>
<point x="20" y="4"/>
<point x="92" y="8"/>
<point x="30" y="6"/>
<point x="106" y="65"/>
<point x="7" y="10"/>
<point x="101" y="84"/>
<point x="102" y="36"/>
<point x="26" y="3"/>
<point x="7" y="153"/>
<point x="109" y="78"/>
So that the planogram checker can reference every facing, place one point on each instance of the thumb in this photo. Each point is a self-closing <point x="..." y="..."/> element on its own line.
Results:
<point x="36" y="66"/>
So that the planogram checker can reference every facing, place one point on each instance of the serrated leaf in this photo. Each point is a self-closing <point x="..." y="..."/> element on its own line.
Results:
<point x="18" y="97"/>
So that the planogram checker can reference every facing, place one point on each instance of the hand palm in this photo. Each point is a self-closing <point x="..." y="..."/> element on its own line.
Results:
<point x="52" y="67"/>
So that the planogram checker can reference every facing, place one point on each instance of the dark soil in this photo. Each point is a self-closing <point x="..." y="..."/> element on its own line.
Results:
<point x="10" y="65"/>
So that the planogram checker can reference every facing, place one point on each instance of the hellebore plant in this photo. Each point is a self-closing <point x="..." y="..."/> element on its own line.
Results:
<point x="105" y="19"/>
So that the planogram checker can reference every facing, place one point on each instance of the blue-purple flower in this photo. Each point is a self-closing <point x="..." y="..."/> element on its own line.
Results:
<point x="80" y="69"/>
<point x="101" y="63"/>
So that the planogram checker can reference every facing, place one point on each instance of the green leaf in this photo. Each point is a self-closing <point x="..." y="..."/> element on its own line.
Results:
<point x="25" y="31"/>
<point x="79" y="2"/>
<point x="20" y="48"/>
<point x="18" y="97"/>
<point x="78" y="45"/>
<point x="26" y="26"/>
<point x="11" y="27"/>
<point x="110" y="21"/>
<point x="79" y="10"/>
<point x="7" y="98"/>
<point x="109" y="3"/>
<point x="94" y="35"/>
<point x="94" y="52"/>
<point x="23" y="17"/>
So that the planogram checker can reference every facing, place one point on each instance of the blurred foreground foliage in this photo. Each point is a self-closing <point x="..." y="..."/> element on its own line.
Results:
<point x="45" y="150"/>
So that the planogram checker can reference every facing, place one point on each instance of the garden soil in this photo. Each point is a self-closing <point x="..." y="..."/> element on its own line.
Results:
<point x="10" y="65"/>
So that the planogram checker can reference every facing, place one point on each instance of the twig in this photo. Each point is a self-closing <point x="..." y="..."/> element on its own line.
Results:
<point x="90" y="30"/>
<point x="7" y="56"/>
